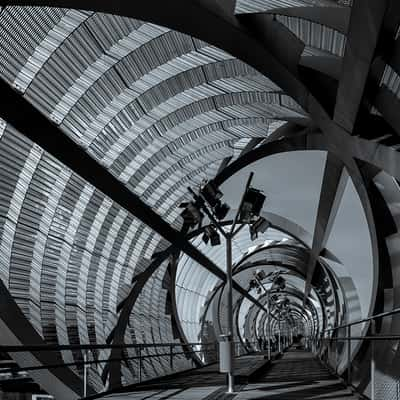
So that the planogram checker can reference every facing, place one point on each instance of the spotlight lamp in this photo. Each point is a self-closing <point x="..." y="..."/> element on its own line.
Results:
<point x="221" y="210"/>
<point x="253" y="284"/>
<point x="280" y="283"/>
<point x="258" y="226"/>
<point x="252" y="205"/>
<point x="205" y="238"/>
<point x="260" y="274"/>
<point x="212" y="195"/>
<point x="286" y="303"/>
<point x="274" y="298"/>
<point x="211" y="235"/>
<point x="191" y="213"/>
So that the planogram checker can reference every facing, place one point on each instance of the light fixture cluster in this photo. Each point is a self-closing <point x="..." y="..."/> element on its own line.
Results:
<point x="211" y="235"/>
<point x="278" y="282"/>
<point x="208" y="201"/>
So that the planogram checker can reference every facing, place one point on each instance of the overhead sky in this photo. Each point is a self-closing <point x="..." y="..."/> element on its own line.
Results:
<point x="292" y="184"/>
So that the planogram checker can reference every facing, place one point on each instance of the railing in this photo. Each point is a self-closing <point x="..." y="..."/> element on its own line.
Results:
<point x="369" y="363"/>
<point x="207" y="353"/>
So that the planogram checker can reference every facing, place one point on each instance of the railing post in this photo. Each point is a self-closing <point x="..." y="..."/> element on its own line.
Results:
<point x="398" y="390"/>
<point x="85" y="358"/>
<point x="171" y="356"/>
<point x="269" y="325"/>
<point x="329" y="352"/>
<point x="349" y="355"/>
<point x="373" y="361"/>
<point x="140" y="363"/>
<point x="336" y="355"/>
<point x="279" y="339"/>
<point x="372" y="370"/>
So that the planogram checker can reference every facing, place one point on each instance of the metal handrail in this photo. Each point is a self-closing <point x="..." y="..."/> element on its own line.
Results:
<point x="99" y="361"/>
<point x="376" y="337"/>
<point x="330" y="343"/>
<point x="367" y="319"/>
<point x="62" y="347"/>
<point x="140" y="357"/>
<point x="140" y="347"/>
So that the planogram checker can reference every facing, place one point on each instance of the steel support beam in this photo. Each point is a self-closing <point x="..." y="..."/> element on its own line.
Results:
<point x="333" y="186"/>
<point x="327" y="65"/>
<point x="388" y="104"/>
<point x="28" y="121"/>
<point x="334" y="17"/>
<point x="15" y="329"/>
<point x="114" y="367"/>
<point x="365" y="25"/>
<point x="366" y="21"/>
<point x="265" y="27"/>
<point x="173" y="267"/>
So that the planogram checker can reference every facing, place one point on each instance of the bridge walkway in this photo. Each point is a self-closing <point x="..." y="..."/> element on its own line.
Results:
<point x="297" y="375"/>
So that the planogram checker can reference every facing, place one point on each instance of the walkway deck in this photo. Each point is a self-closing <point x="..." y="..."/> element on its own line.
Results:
<point x="297" y="375"/>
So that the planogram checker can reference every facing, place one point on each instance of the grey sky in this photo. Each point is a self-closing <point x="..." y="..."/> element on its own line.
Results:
<point x="292" y="183"/>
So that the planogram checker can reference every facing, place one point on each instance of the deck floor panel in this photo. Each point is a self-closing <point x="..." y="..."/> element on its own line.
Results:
<point x="297" y="375"/>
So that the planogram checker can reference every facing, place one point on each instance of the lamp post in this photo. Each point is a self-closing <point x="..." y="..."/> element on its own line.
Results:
<point x="273" y="276"/>
<point x="269" y="325"/>
<point x="208" y="201"/>
<point x="279" y="333"/>
<point x="229" y="284"/>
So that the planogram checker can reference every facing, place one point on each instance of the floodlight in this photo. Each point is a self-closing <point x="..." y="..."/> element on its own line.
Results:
<point x="221" y="210"/>
<point x="191" y="213"/>
<point x="280" y="283"/>
<point x="211" y="234"/>
<point x="260" y="274"/>
<point x="253" y="284"/>
<point x="259" y="226"/>
<point x="252" y="205"/>
<point x="211" y="193"/>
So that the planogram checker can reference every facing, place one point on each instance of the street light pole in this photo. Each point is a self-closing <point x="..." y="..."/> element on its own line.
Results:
<point x="228" y="239"/>
<point x="268" y="293"/>
<point x="269" y="325"/>
<point x="279" y="333"/>
<point x="231" y="383"/>
<point x="229" y="282"/>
